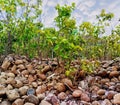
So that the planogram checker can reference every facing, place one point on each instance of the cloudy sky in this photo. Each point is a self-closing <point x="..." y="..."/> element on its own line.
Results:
<point x="86" y="10"/>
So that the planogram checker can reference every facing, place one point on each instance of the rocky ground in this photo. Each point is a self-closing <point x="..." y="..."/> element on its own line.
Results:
<point x="35" y="82"/>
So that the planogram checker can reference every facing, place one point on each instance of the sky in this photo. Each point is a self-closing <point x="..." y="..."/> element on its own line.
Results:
<point x="86" y="10"/>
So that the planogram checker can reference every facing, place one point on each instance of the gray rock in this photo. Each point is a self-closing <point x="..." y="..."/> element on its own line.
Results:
<point x="18" y="102"/>
<point x="12" y="94"/>
<point x="32" y="99"/>
<point x="106" y="102"/>
<point x="5" y="103"/>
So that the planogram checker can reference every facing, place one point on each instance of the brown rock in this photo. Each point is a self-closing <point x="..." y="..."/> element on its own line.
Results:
<point x="31" y="78"/>
<point x="116" y="98"/>
<point x="60" y="87"/>
<point x="41" y="96"/>
<point x="18" y="84"/>
<point x="102" y="73"/>
<point x="5" y="64"/>
<point x="23" y="90"/>
<point x="18" y="102"/>
<point x="101" y="92"/>
<point x="43" y="102"/>
<point x="96" y="103"/>
<point x="21" y="67"/>
<point x="77" y="93"/>
<point x="17" y="62"/>
<point x="29" y="103"/>
<point x="85" y="97"/>
<point x="42" y="76"/>
<point x="114" y="74"/>
<point x="11" y="81"/>
<point x="2" y="90"/>
<point x="13" y="69"/>
<point x="25" y="72"/>
<point x="34" y="84"/>
<point x="68" y="82"/>
<point x="46" y="69"/>
<point x="32" y="99"/>
<point x="62" y="96"/>
<point x="41" y="89"/>
<point x="29" y="67"/>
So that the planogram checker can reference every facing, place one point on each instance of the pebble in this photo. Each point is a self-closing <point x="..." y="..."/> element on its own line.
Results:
<point x="43" y="102"/>
<point x="116" y="98"/>
<point x="85" y="97"/>
<point x="60" y="87"/>
<point x="12" y="94"/>
<point x="96" y="103"/>
<point x="32" y="99"/>
<point x="114" y="74"/>
<point x="77" y="93"/>
<point x="62" y="96"/>
<point x="106" y="102"/>
<point x="41" y="89"/>
<point x="6" y="102"/>
<point x="101" y="92"/>
<point x="23" y="90"/>
<point x="2" y="90"/>
<point x="18" y="102"/>
<point x="29" y="103"/>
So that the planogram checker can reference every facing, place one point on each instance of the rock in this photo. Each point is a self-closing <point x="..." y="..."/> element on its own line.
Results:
<point x="110" y="94"/>
<point x="43" y="102"/>
<point x="18" y="102"/>
<point x="5" y="64"/>
<point x="29" y="67"/>
<point x="116" y="98"/>
<point x="41" y="96"/>
<point x="17" y="62"/>
<point x="18" y="84"/>
<point x="52" y="99"/>
<point x="30" y="91"/>
<point x="11" y="75"/>
<point x="85" y="97"/>
<point x="41" y="89"/>
<point x="31" y="78"/>
<point x="117" y="87"/>
<point x="25" y="72"/>
<point x="62" y="96"/>
<point x="106" y="102"/>
<point x="42" y="76"/>
<point x="23" y="90"/>
<point x="46" y="69"/>
<point x="102" y="72"/>
<point x="29" y="103"/>
<point x="21" y="66"/>
<point x="14" y="69"/>
<point x="34" y="84"/>
<point x="12" y="94"/>
<point x="101" y="92"/>
<point x="96" y="103"/>
<point x="9" y="87"/>
<point x="5" y="103"/>
<point x="114" y="74"/>
<point x="77" y="93"/>
<point x="67" y="82"/>
<point x="11" y="81"/>
<point x="60" y="87"/>
<point x="32" y="99"/>
<point x="2" y="90"/>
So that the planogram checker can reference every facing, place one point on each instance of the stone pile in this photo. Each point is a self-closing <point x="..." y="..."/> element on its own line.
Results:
<point x="34" y="82"/>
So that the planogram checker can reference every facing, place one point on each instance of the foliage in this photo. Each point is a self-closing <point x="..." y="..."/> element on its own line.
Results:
<point x="23" y="33"/>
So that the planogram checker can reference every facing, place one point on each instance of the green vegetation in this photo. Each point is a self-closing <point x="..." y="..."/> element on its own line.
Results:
<point x="26" y="35"/>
